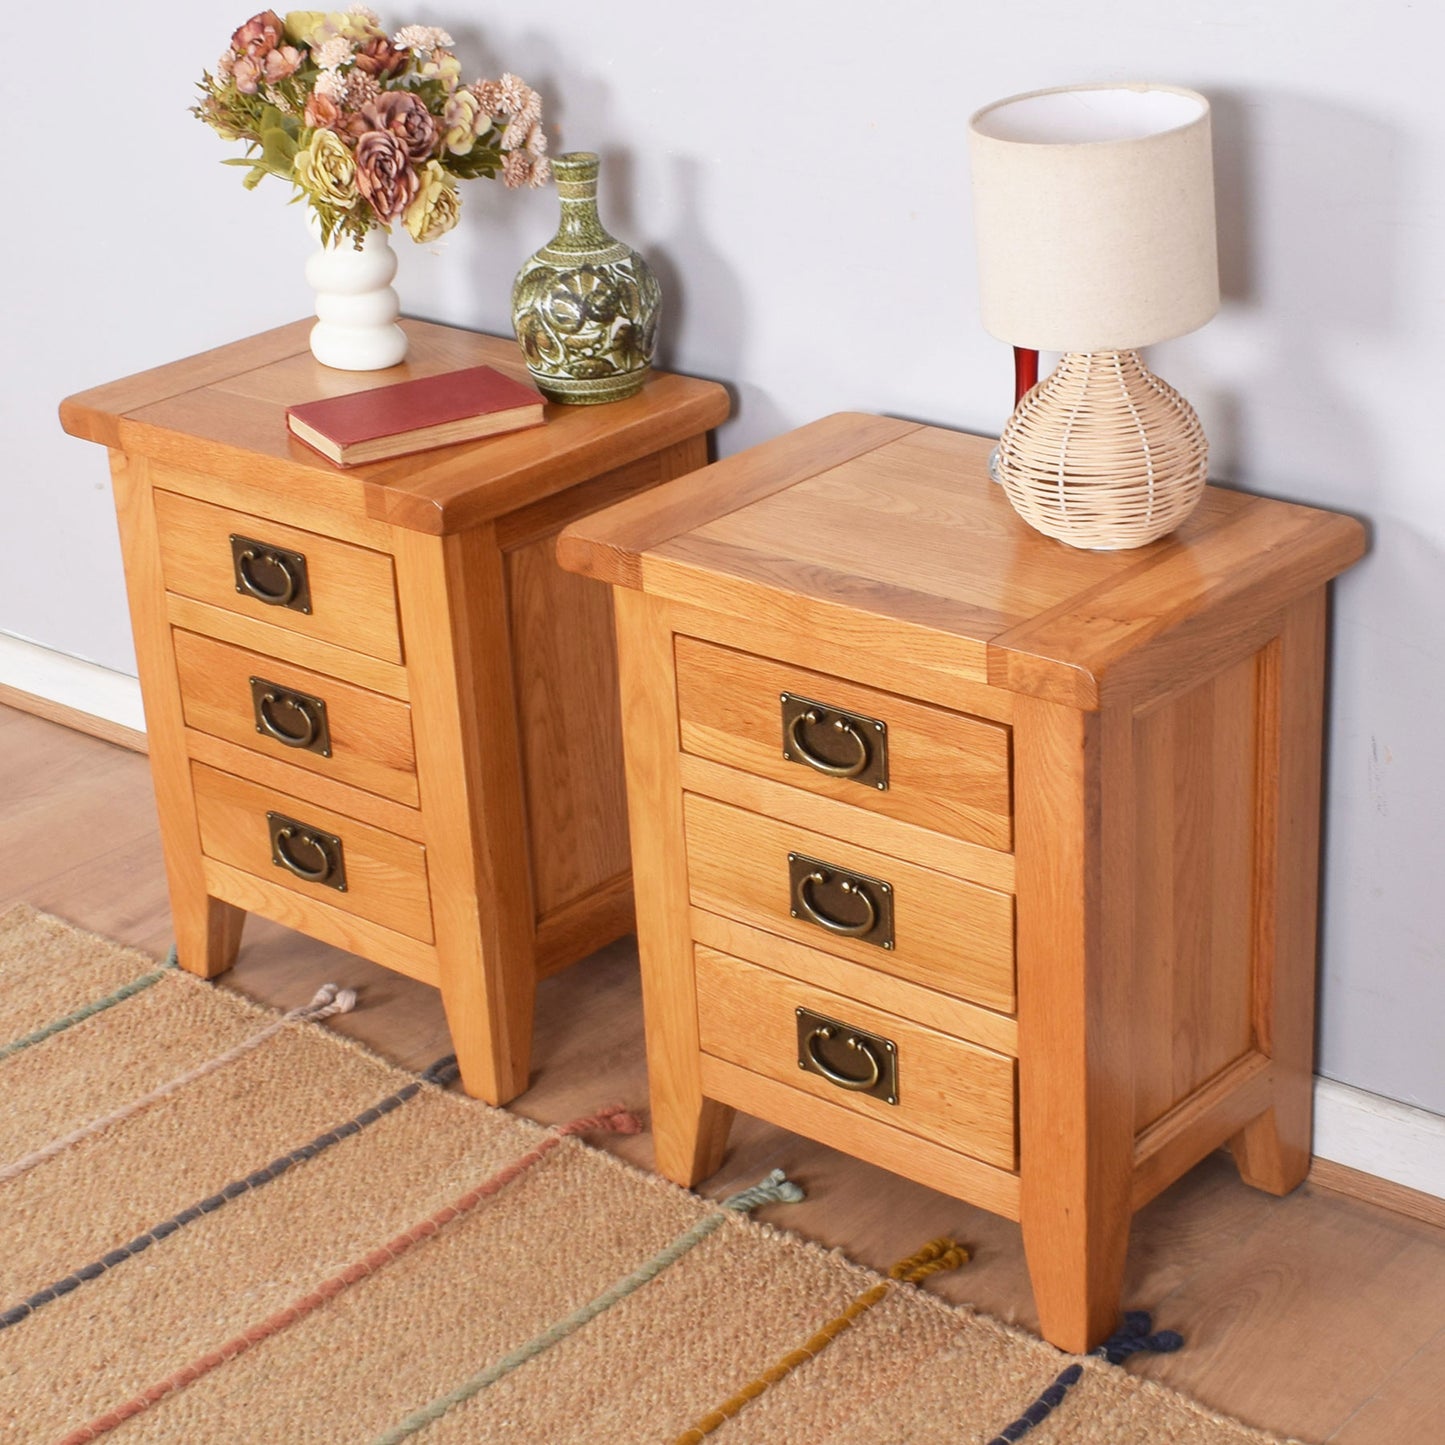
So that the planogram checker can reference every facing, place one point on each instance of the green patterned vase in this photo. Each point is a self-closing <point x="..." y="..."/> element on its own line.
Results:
<point x="585" y="306"/>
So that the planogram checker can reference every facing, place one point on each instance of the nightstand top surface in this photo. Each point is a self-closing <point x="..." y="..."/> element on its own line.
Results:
<point x="893" y="530"/>
<point x="225" y="411"/>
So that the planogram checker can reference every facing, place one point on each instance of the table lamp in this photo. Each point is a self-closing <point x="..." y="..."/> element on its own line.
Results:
<point x="1094" y="211"/>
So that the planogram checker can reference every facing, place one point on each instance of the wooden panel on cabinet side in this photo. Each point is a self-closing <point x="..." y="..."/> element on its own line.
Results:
<point x="1197" y="808"/>
<point x="1273" y="1151"/>
<point x="371" y="746"/>
<point x="950" y="935"/>
<point x="954" y="1093"/>
<point x="386" y="876"/>
<point x="353" y="591"/>
<point x="946" y="771"/>
<point x="565" y="670"/>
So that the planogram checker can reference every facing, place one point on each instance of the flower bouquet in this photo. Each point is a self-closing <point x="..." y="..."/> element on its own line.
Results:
<point x="373" y="130"/>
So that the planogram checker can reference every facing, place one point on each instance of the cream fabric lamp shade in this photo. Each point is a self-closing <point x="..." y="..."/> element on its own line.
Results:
<point x="1094" y="215"/>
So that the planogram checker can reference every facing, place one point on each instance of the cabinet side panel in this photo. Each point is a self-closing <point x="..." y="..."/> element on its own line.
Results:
<point x="1196" y="772"/>
<point x="570" y="732"/>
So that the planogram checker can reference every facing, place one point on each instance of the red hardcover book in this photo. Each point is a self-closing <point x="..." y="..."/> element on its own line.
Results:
<point x="411" y="416"/>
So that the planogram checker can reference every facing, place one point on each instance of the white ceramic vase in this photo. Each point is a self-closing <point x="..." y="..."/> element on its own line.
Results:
<point x="356" y="307"/>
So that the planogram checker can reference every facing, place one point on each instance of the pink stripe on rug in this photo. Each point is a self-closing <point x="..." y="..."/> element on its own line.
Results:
<point x="612" y="1120"/>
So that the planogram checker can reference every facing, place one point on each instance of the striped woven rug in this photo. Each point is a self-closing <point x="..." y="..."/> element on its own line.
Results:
<point x="221" y="1224"/>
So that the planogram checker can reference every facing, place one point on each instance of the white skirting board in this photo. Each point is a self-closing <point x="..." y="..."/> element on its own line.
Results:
<point x="59" y="678"/>
<point x="1380" y="1136"/>
<point x="1352" y="1127"/>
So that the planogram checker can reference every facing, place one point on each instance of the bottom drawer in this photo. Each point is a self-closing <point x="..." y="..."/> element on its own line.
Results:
<point x="951" y="1092"/>
<point x="320" y="854"/>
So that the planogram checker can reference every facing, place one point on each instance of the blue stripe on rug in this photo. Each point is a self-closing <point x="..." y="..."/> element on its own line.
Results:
<point x="87" y="1011"/>
<point x="441" y="1073"/>
<point x="1132" y="1339"/>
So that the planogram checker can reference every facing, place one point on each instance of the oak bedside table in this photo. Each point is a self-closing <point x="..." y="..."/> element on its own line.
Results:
<point x="984" y="859"/>
<point x="377" y="710"/>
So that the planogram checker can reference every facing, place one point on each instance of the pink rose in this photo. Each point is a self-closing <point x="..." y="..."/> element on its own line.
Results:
<point x="384" y="175"/>
<point x="247" y="74"/>
<point x="281" y="62"/>
<point x="405" y="117"/>
<point x="259" y="36"/>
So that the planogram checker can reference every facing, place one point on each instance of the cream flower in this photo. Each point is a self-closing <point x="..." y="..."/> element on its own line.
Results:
<point x="437" y="206"/>
<point x="332" y="85"/>
<point x="332" y="54"/>
<point x="441" y="65"/>
<point x="420" y="37"/>
<point x="460" y="121"/>
<point x="325" y="169"/>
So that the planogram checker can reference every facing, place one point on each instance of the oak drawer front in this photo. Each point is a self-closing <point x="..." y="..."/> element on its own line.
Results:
<point x="944" y="770"/>
<point x="385" y="877"/>
<point x="304" y="718"/>
<point x="949" y="1091"/>
<point x="302" y="581"/>
<point x="942" y="932"/>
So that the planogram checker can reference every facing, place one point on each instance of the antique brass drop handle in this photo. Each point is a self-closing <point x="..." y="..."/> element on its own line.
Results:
<point x="821" y="764"/>
<point x="814" y="914"/>
<point x="283" y="598"/>
<point x="287" y="861"/>
<point x="844" y="1081"/>
<point x="268" y="724"/>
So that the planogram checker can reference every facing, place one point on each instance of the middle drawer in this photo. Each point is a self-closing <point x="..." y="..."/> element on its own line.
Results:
<point x="913" y="922"/>
<point x="289" y="712"/>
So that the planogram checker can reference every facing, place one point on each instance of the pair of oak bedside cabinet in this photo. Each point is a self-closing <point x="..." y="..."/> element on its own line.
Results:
<point x="987" y="860"/>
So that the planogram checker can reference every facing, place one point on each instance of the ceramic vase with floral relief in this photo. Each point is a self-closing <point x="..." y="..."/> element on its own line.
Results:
<point x="585" y="306"/>
<point x="356" y="307"/>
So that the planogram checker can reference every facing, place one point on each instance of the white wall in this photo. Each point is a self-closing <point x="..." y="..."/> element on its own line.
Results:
<point x="797" y="173"/>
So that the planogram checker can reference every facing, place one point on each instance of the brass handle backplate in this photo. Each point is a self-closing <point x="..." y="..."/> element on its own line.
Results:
<point x="833" y="742"/>
<point x="848" y="1058"/>
<point x="307" y="853"/>
<point x="293" y="719"/>
<point x="852" y="905"/>
<point x="270" y="574"/>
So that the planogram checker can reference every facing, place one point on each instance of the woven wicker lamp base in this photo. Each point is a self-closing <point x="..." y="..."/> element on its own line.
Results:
<point x="1103" y="454"/>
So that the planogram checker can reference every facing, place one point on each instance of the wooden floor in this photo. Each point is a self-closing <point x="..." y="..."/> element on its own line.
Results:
<point x="1317" y="1316"/>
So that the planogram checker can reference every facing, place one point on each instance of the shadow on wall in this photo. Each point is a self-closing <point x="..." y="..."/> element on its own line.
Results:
<point x="1306" y="192"/>
<point x="705" y="312"/>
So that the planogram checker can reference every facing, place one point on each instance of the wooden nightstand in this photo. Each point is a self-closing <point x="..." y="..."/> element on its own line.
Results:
<point x="377" y="710"/>
<point x="987" y="860"/>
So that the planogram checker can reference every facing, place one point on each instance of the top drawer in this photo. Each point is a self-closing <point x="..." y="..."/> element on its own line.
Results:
<point x="945" y="771"/>
<point x="333" y="591"/>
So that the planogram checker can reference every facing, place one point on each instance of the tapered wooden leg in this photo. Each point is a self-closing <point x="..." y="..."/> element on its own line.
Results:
<point x="1273" y="1152"/>
<point x="208" y="933"/>
<point x="452" y="596"/>
<point x="689" y="1131"/>
<point x="1076" y="1111"/>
